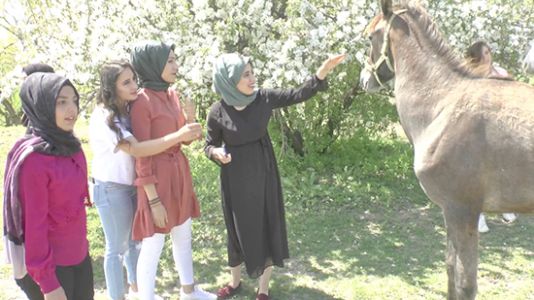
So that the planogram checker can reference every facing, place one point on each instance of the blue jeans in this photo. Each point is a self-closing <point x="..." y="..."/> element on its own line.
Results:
<point x="116" y="205"/>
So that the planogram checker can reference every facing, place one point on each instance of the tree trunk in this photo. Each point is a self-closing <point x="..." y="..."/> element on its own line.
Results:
<point x="291" y="135"/>
<point x="11" y="116"/>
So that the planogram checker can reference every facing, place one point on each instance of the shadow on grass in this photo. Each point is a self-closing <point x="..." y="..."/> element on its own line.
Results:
<point x="345" y="244"/>
<point x="282" y="288"/>
<point x="502" y="244"/>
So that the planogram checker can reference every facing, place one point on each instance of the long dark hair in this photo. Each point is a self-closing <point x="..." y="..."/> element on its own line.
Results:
<point x="473" y="59"/>
<point x="474" y="52"/>
<point x="107" y="95"/>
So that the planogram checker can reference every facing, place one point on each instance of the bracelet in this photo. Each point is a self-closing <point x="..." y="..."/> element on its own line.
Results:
<point x="153" y="205"/>
<point x="154" y="201"/>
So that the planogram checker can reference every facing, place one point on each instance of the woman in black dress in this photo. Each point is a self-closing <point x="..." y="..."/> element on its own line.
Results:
<point x="237" y="139"/>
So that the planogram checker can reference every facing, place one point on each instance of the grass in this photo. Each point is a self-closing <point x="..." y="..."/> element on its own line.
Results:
<point x="359" y="228"/>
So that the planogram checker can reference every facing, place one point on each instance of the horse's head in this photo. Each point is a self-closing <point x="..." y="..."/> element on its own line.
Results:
<point x="379" y="67"/>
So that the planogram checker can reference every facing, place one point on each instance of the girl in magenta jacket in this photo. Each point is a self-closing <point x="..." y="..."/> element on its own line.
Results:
<point x="45" y="191"/>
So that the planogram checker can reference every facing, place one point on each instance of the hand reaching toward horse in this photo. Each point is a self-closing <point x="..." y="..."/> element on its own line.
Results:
<point x="328" y="65"/>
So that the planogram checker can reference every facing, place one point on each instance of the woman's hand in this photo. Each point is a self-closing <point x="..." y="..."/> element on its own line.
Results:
<point x="328" y="65"/>
<point x="159" y="214"/>
<point x="190" y="132"/>
<point x="57" y="294"/>
<point x="190" y="110"/>
<point x="221" y="155"/>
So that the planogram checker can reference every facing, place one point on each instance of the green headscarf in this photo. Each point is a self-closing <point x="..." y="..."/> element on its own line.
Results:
<point x="149" y="60"/>
<point x="227" y="72"/>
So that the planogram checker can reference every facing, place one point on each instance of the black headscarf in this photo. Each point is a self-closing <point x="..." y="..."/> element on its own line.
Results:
<point x="30" y="69"/>
<point x="38" y="95"/>
<point x="149" y="60"/>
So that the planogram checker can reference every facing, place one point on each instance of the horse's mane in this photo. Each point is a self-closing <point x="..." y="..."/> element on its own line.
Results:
<point x="430" y="32"/>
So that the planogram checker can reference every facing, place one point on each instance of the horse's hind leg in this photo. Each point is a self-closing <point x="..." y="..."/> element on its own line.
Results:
<point x="450" y="260"/>
<point x="462" y="255"/>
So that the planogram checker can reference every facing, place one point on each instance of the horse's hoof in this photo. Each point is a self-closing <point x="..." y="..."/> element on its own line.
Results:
<point x="509" y="217"/>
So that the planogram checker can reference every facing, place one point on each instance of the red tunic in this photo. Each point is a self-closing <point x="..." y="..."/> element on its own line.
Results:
<point x="155" y="114"/>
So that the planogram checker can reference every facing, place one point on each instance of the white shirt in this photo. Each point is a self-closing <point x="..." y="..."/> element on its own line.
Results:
<point x="109" y="165"/>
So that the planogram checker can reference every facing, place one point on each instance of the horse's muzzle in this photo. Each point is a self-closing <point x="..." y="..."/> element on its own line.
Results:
<point x="368" y="82"/>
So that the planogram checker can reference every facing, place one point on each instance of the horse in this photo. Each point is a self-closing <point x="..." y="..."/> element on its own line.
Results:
<point x="473" y="137"/>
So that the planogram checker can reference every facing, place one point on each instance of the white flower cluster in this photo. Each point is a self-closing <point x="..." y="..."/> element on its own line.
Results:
<point x="287" y="39"/>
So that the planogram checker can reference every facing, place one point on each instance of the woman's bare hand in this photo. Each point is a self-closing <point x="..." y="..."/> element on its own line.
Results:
<point x="190" y="132"/>
<point x="221" y="155"/>
<point x="57" y="294"/>
<point x="159" y="214"/>
<point x="328" y="65"/>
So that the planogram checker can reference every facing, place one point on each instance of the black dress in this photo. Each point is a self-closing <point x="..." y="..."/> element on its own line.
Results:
<point x="250" y="184"/>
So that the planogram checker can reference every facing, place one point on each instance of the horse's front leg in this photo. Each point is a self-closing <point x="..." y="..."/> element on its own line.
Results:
<point x="462" y="251"/>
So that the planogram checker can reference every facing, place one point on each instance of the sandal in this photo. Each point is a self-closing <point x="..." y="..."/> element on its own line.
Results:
<point x="228" y="291"/>
<point x="262" y="297"/>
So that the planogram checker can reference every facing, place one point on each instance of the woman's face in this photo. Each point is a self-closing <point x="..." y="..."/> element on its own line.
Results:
<point x="126" y="86"/>
<point x="66" y="108"/>
<point x="485" y="55"/>
<point x="248" y="81"/>
<point x="171" y="68"/>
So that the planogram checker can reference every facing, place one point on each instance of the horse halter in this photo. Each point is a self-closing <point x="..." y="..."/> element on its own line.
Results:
<point x="384" y="57"/>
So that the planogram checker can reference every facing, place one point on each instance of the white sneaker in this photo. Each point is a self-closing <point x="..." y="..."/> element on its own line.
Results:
<point x="482" y="226"/>
<point x="197" y="294"/>
<point x="132" y="295"/>
<point x="135" y="296"/>
<point x="509" y="217"/>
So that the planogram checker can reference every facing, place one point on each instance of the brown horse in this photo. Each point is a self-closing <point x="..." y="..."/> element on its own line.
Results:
<point x="473" y="137"/>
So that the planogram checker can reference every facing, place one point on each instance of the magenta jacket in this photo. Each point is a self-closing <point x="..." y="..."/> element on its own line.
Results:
<point x="53" y="191"/>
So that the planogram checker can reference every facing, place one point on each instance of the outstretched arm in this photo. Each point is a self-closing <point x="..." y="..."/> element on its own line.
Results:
<point x="284" y="97"/>
<point x="187" y="133"/>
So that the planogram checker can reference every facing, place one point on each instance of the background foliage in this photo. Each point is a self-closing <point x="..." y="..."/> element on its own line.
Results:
<point x="288" y="39"/>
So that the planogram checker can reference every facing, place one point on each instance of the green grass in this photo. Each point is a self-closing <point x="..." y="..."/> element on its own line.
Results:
<point x="359" y="227"/>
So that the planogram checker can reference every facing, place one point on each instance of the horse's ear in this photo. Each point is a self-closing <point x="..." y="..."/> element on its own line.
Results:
<point x="386" y="7"/>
